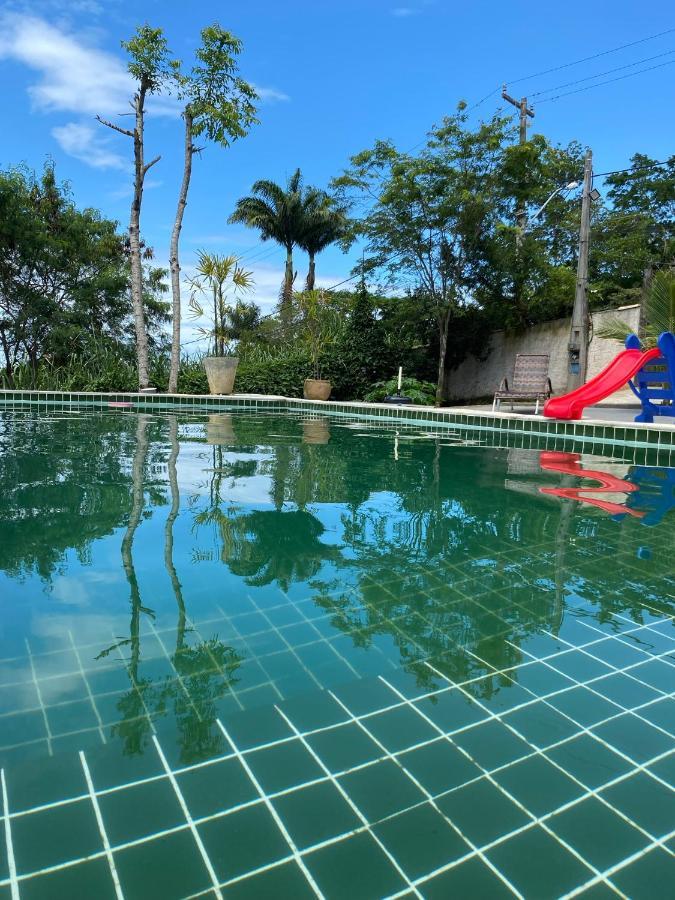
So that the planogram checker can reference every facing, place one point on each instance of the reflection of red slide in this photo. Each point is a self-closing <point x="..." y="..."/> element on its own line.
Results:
<point x="613" y="377"/>
<point x="569" y="464"/>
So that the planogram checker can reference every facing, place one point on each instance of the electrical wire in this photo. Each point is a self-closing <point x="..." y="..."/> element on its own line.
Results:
<point x="609" y="81"/>
<point x="638" y="62"/>
<point x="636" y="169"/>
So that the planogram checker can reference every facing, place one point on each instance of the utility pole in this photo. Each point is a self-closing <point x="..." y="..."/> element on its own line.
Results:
<point x="525" y="111"/>
<point x="580" y="329"/>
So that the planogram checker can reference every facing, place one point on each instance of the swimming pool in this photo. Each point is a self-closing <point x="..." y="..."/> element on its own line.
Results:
<point x="257" y="654"/>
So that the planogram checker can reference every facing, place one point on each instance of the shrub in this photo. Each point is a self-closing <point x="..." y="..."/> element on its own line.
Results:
<point x="422" y="393"/>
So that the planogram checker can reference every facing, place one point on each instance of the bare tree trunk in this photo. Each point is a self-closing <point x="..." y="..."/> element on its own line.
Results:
<point x="140" y="170"/>
<point x="287" y="288"/>
<point x="168" y="532"/>
<point x="173" y="253"/>
<point x="443" y="325"/>
<point x="311" y="274"/>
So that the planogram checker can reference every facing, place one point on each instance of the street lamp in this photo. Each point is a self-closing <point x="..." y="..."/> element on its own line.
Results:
<point x="558" y="190"/>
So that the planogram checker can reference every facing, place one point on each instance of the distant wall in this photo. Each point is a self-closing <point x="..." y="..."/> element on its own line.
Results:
<point x="474" y="378"/>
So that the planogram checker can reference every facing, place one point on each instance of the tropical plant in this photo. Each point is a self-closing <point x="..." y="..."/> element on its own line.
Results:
<point x="658" y="311"/>
<point x="319" y="325"/>
<point x="219" y="106"/>
<point x="223" y="281"/>
<point x="278" y="214"/>
<point x="422" y="393"/>
<point x="324" y="223"/>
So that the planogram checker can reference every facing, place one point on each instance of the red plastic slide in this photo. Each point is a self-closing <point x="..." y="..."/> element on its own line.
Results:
<point x="570" y="464"/>
<point x="613" y="377"/>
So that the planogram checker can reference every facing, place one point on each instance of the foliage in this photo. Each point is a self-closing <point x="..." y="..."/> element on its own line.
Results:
<point x="319" y="327"/>
<point x="223" y="280"/>
<point x="324" y="223"/>
<point x="149" y="62"/>
<point x="422" y="393"/>
<point x="63" y="271"/>
<point x="659" y="312"/>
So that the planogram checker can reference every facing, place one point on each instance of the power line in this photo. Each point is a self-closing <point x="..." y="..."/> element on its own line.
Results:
<point x="578" y="62"/>
<point x="609" y="81"/>
<point x="636" y="169"/>
<point x="601" y="74"/>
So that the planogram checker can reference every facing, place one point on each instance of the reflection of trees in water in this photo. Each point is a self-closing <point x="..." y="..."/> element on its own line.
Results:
<point x="204" y="671"/>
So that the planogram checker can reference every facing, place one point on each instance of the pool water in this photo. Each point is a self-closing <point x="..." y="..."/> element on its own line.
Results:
<point x="253" y="655"/>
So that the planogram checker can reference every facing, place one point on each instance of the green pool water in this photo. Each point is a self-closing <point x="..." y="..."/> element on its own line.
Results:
<point x="251" y="655"/>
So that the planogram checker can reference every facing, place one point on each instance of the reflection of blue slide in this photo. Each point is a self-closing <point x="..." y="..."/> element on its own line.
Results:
<point x="655" y="495"/>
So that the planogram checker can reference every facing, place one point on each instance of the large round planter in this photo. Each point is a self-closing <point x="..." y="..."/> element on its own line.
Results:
<point x="316" y="389"/>
<point x="220" y="372"/>
<point x="220" y="430"/>
<point x="316" y="431"/>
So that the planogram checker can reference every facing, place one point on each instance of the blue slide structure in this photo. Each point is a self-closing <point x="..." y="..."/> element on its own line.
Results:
<point x="656" y="379"/>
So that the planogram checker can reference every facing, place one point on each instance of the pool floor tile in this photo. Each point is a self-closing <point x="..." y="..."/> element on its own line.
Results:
<point x="167" y="868"/>
<point x="539" y="785"/>
<point x="421" y="840"/>
<point x="439" y="766"/>
<point x="492" y="744"/>
<point x="538" y="865"/>
<point x="55" y="835"/>
<point x="87" y="879"/>
<point x="286" y="880"/>
<point x="584" y="706"/>
<point x="315" y="814"/>
<point x="540" y="724"/>
<point x="451" y="710"/>
<point x="471" y="879"/>
<point x="241" y="841"/>
<point x="597" y="833"/>
<point x="356" y="867"/>
<point x="215" y="787"/>
<point x="399" y="729"/>
<point x="283" y="766"/>
<point x="55" y="778"/>
<point x="344" y="747"/>
<point x="482" y="812"/>
<point x="590" y="761"/>
<point x="381" y="790"/>
<point x="644" y="801"/>
<point x="648" y="876"/>
<point x="251" y="728"/>
<point x="636" y="739"/>
<point x="141" y="811"/>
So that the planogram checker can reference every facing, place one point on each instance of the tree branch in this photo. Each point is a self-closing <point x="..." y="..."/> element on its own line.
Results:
<point x="114" y="127"/>
<point x="151" y="164"/>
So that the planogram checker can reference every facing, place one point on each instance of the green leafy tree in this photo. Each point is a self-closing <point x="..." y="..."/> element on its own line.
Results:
<point x="152" y="70"/>
<point x="277" y="213"/>
<point x="220" y="107"/>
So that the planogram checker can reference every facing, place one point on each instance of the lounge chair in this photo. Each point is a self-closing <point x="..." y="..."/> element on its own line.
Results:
<point x="530" y="382"/>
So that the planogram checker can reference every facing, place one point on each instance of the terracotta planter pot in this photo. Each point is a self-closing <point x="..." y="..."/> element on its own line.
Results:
<point x="316" y="431"/>
<point x="220" y="372"/>
<point x="316" y="389"/>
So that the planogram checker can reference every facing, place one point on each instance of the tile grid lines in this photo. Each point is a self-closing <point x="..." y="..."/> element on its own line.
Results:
<point x="257" y="658"/>
<point x="88" y="688"/>
<point x="101" y="827"/>
<point x="507" y="672"/>
<point x="336" y="784"/>
<point x="188" y="818"/>
<point x="199" y="634"/>
<point x="134" y="684"/>
<point x="272" y="796"/>
<point x="179" y="678"/>
<point x="271" y="809"/>
<point x="430" y="797"/>
<point x="620" y="638"/>
<point x="533" y="818"/>
<point x="11" y="863"/>
<point x="40" y="700"/>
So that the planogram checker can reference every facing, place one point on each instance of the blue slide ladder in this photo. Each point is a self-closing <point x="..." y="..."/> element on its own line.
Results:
<point x="656" y="380"/>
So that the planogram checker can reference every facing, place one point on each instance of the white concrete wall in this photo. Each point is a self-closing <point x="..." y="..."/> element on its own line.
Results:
<point x="474" y="378"/>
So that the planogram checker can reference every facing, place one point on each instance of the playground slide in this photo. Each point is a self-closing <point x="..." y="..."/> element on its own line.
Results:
<point x="570" y="464"/>
<point x="613" y="377"/>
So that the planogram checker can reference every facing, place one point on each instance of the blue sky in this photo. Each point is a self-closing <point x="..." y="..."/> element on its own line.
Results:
<point x="334" y="77"/>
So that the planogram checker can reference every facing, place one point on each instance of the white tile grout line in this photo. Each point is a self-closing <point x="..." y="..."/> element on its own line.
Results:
<point x="275" y="815"/>
<point x="89" y="693"/>
<point x="40" y="700"/>
<point x="174" y="669"/>
<point x="353" y="806"/>
<point x="188" y="819"/>
<point x="101" y="827"/>
<point x="11" y="863"/>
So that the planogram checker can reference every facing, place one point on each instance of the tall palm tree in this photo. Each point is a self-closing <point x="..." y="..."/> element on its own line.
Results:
<point x="278" y="215"/>
<point x="324" y="223"/>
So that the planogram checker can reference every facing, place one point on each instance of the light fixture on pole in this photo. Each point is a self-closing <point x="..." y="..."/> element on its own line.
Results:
<point x="563" y="187"/>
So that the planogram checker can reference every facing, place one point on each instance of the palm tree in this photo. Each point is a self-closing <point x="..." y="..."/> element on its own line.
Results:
<point x="323" y="224"/>
<point x="278" y="214"/>
<point x="658" y="307"/>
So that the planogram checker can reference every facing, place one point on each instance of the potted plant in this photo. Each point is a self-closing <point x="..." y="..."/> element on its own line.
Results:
<point x="317" y="334"/>
<point x="223" y="281"/>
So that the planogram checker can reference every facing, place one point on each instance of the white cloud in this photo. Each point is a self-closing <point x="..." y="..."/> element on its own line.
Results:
<point x="270" y="94"/>
<point x="73" y="75"/>
<point x="84" y="142"/>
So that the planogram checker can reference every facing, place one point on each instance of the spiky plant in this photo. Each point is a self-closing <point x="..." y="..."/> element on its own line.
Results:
<point x="659" y="312"/>
<point x="224" y="281"/>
